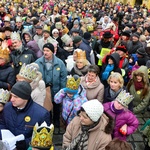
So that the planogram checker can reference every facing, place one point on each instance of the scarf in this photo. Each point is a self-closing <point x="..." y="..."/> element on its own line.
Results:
<point x="107" y="71"/>
<point x="138" y="85"/>
<point x="114" y="94"/>
<point x="82" y="71"/>
<point x="116" y="111"/>
<point x="81" y="141"/>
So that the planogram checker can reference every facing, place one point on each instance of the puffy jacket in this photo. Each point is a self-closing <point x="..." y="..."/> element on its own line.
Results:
<point x="125" y="117"/>
<point x="22" y="121"/>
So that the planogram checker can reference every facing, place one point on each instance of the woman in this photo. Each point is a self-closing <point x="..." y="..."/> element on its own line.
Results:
<point x="125" y="121"/>
<point x="138" y="86"/>
<point x="7" y="74"/>
<point x="92" y="84"/>
<point x="81" y="65"/>
<point x="90" y="130"/>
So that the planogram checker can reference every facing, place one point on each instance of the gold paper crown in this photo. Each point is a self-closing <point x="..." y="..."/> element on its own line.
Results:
<point x="65" y="30"/>
<point x="90" y="27"/>
<point x="73" y="84"/>
<point x="42" y="136"/>
<point x="80" y="54"/>
<point x="29" y="72"/>
<point x="46" y="28"/>
<point x="124" y="98"/>
<point x="15" y="36"/>
<point x="4" y="53"/>
<point x="4" y="96"/>
<point x="2" y="36"/>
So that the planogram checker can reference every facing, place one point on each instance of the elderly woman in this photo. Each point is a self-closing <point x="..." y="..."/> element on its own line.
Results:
<point x="92" y="84"/>
<point x="90" y="130"/>
<point x="81" y="65"/>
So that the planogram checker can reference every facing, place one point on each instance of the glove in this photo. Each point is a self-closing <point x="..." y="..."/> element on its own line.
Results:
<point x="99" y="56"/>
<point x="21" y="145"/>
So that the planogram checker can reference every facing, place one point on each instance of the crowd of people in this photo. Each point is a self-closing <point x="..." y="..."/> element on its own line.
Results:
<point x="83" y="65"/>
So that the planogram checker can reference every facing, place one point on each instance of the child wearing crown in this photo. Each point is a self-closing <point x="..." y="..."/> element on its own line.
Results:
<point x="72" y="97"/>
<point x="125" y="121"/>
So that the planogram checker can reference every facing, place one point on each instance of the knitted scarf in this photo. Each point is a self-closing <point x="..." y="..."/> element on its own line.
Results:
<point x="81" y="141"/>
<point x="116" y="111"/>
<point x="114" y="94"/>
<point x="138" y="85"/>
<point x="81" y="72"/>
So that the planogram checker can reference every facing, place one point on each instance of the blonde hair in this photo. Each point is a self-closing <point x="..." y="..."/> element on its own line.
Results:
<point x="117" y="76"/>
<point x="84" y="61"/>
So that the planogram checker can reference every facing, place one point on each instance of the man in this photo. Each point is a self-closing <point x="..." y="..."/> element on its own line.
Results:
<point x="19" y="25"/>
<point x="39" y="33"/>
<point x="54" y="74"/>
<point x="20" y="54"/>
<point x="20" y="114"/>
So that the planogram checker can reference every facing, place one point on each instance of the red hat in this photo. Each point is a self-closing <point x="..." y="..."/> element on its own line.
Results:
<point x="121" y="48"/>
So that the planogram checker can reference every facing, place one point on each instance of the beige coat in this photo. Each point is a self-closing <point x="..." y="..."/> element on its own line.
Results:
<point x="94" y="90"/>
<point x="98" y="139"/>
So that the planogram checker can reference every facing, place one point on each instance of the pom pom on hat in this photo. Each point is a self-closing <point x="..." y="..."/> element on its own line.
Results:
<point x="49" y="46"/>
<point x="22" y="89"/>
<point x="94" y="109"/>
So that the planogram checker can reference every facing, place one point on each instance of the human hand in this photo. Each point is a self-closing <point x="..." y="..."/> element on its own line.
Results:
<point x="123" y="129"/>
<point x="98" y="56"/>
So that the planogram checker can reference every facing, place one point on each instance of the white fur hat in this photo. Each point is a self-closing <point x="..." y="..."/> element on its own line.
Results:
<point x="94" y="109"/>
<point x="55" y="30"/>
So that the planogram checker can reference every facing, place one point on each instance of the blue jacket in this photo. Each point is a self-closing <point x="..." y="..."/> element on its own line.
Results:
<point x="23" y="121"/>
<point x="57" y="76"/>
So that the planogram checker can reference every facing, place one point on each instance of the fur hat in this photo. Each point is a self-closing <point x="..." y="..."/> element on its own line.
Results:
<point x="22" y="89"/>
<point x="94" y="109"/>
<point x="49" y="46"/>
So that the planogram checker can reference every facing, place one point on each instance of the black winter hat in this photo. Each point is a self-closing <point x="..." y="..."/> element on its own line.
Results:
<point x="141" y="51"/>
<point x="136" y="35"/>
<point x="87" y="35"/>
<point x="77" y="39"/>
<point x="22" y="89"/>
<point x="49" y="46"/>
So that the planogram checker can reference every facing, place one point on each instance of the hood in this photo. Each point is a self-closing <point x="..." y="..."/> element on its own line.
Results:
<point x="26" y="32"/>
<point x="115" y="57"/>
<point x="144" y="71"/>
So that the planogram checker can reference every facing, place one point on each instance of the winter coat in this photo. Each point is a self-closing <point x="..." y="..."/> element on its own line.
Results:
<point x="22" y="121"/>
<point x="57" y="76"/>
<point x="98" y="138"/>
<point x="139" y="103"/>
<point x="19" y="58"/>
<point x="7" y="76"/>
<point x="72" y="105"/>
<point x="125" y="117"/>
<point x="94" y="90"/>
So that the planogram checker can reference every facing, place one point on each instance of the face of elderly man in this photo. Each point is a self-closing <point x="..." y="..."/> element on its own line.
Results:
<point x="16" y="44"/>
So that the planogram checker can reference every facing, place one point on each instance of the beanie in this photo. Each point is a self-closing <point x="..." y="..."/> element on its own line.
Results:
<point x="141" y="51"/>
<point x="49" y="46"/>
<point x="94" y="109"/>
<point x="87" y="35"/>
<point x="136" y="35"/>
<point x="76" y="22"/>
<point x="55" y="31"/>
<point x="22" y="89"/>
<point x="121" y="48"/>
<point x="77" y="39"/>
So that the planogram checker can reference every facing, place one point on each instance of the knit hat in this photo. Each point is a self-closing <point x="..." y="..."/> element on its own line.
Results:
<point x="72" y="84"/>
<point x="77" y="39"/>
<point x="141" y="51"/>
<point x="22" y="89"/>
<point x="94" y="109"/>
<point x="136" y="35"/>
<point x="49" y="46"/>
<point x="55" y="31"/>
<point x="76" y="22"/>
<point x="87" y="35"/>
<point x="124" y="98"/>
<point x="121" y="48"/>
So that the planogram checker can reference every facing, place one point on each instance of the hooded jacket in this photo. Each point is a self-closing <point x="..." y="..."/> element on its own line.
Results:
<point x="139" y="103"/>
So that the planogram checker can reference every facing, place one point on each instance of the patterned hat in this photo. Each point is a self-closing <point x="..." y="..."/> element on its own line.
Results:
<point x="124" y="98"/>
<point x="42" y="136"/>
<point x="15" y="36"/>
<point x="66" y="39"/>
<point x="72" y="84"/>
<point x="94" y="109"/>
<point x="29" y="71"/>
<point x="4" y="96"/>
<point x="58" y="25"/>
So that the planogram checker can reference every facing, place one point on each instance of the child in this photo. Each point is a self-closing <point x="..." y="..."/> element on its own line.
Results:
<point x="72" y="97"/>
<point x="125" y="121"/>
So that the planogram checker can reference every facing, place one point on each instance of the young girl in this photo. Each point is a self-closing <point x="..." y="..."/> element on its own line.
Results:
<point x="125" y="121"/>
<point x="138" y="86"/>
